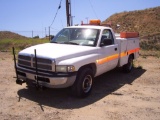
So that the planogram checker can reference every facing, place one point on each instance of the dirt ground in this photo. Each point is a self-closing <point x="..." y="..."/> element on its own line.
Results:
<point x="115" y="96"/>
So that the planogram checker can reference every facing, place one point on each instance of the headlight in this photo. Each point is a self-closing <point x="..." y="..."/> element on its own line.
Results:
<point x="65" y="68"/>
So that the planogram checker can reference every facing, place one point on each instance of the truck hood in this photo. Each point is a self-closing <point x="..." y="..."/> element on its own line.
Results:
<point x="58" y="51"/>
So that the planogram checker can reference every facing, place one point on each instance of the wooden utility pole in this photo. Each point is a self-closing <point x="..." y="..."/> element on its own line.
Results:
<point x="32" y="33"/>
<point x="49" y="34"/>
<point x="68" y="12"/>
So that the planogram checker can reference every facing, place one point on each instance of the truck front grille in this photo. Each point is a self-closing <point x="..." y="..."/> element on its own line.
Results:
<point x="48" y="67"/>
<point x="23" y="62"/>
<point x="24" y="57"/>
<point x="42" y="63"/>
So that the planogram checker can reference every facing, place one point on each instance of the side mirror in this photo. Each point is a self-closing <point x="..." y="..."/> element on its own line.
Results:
<point x="105" y="42"/>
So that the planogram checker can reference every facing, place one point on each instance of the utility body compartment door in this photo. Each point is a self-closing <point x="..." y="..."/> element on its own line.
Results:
<point x="127" y="46"/>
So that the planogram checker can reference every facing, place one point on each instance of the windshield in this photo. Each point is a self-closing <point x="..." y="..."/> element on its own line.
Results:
<point x="77" y="36"/>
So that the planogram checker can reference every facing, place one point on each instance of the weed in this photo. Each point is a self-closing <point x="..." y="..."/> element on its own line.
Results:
<point x="19" y="44"/>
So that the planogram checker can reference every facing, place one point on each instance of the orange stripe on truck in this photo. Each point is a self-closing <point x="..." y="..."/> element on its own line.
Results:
<point x="133" y="51"/>
<point x="123" y="54"/>
<point x="137" y="49"/>
<point x="106" y="59"/>
<point x="115" y="56"/>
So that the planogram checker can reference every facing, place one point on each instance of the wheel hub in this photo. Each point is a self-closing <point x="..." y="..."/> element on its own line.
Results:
<point x="87" y="83"/>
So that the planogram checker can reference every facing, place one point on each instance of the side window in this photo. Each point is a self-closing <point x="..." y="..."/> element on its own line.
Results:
<point x="107" y="34"/>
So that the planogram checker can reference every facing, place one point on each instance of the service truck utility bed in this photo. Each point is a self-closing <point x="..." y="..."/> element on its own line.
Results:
<point x="127" y="46"/>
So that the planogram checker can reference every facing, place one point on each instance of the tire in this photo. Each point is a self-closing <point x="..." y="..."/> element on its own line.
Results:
<point x="129" y="66"/>
<point x="83" y="84"/>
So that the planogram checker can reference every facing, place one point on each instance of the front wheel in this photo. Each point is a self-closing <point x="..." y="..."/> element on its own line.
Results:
<point x="83" y="84"/>
<point x="129" y="66"/>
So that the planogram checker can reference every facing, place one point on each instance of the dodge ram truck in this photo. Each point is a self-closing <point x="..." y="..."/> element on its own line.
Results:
<point x="75" y="56"/>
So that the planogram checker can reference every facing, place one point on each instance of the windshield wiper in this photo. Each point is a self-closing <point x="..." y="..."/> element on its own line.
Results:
<point x="72" y="43"/>
<point x="53" y="42"/>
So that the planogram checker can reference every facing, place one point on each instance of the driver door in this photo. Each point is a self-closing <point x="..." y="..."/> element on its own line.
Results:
<point x="108" y="54"/>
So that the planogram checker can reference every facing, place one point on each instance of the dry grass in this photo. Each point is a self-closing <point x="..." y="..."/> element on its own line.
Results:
<point x="146" y="22"/>
<point x="146" y="53"/>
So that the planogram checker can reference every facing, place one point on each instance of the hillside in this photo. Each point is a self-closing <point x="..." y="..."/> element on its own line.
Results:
<point x="10" y="35"/>
<point x="9" y="39"/>
<point x="146" y="22"/>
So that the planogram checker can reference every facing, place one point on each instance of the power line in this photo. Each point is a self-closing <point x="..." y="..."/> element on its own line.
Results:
<point x="56" y="12"/>
<point x="54" y="29"/>
<point x="93" y="8"/>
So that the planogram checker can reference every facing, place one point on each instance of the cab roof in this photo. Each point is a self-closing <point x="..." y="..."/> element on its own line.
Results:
<point x="90" y="26"/>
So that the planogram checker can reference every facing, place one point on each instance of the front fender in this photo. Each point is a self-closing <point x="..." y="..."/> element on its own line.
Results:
<point x="80" y="61"/>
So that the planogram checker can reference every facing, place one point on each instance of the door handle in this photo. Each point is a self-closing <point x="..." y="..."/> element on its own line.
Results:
<point x="115" y="49"/>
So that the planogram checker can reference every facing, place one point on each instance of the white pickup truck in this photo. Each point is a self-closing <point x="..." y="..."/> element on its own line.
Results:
<point x="74" y="57"/>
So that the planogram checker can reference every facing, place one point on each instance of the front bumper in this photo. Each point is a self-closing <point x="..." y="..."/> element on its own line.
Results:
<point x="47" y="78"/>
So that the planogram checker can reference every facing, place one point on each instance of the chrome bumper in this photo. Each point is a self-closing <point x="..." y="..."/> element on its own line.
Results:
<point x="47" y="79"/>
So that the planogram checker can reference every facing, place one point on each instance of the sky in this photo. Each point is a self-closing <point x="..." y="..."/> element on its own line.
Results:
<point x="25" y="16"/>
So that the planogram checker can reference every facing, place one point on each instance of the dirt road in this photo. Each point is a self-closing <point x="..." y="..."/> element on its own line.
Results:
<point x="115" y="96"/>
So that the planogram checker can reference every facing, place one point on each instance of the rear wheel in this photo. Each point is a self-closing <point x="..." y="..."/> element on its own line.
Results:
<point x="129" y="66"/>
<point x="83" y="84"/>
